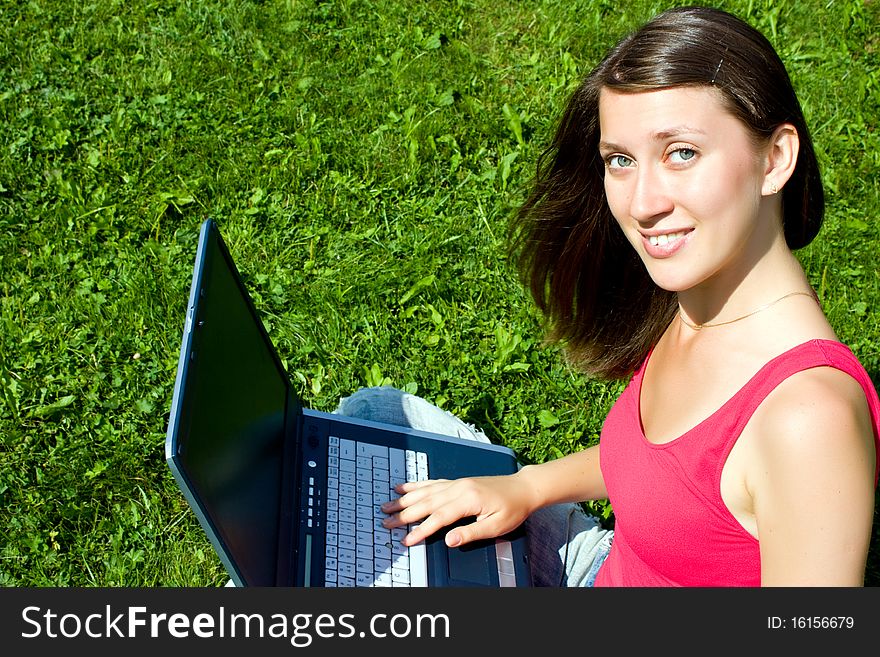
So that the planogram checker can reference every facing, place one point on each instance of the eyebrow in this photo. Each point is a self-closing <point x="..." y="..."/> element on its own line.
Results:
<point x="660" y="135"/>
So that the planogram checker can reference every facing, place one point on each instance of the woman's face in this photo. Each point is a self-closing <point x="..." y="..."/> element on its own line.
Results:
<point x="684" y="180"/>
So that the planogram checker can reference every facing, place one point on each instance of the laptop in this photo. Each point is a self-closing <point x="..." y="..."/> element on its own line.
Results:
<point x="289" y="496"/>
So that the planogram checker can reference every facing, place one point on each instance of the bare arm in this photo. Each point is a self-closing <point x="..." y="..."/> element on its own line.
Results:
<point x="573" y="478"/>
<point x="813" y="484"/>
<point x="499" y="504"/>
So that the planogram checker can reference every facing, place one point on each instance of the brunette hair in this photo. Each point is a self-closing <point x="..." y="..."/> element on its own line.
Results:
<point x="585" y="277"/>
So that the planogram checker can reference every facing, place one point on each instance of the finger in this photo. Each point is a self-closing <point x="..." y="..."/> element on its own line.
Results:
<point x="410" y="486"/>
<point x="413" y="492"/>
<point x="392" y="506"/>
<point x="433" y="522"/>
<point x="393" y="521"/>
<point x="423" y="520"/>
<point x="403" y="514"/>
<point x="475" y="531"/>
<point x="406" y="510"/>
<point x="418" y="533"/>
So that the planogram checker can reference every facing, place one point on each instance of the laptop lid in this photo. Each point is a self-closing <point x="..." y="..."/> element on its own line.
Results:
<point x="231" y="409"/>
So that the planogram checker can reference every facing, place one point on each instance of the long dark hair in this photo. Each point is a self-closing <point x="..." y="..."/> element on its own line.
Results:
<point x="584" y="276"/>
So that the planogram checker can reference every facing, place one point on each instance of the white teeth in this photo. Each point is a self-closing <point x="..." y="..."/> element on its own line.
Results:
<point x="666" y="238"/>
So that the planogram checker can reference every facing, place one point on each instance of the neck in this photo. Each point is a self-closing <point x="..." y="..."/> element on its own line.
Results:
<point x="728" y="296"/>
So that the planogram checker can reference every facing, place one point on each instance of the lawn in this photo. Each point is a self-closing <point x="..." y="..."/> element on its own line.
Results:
<point x="362" y="160"/>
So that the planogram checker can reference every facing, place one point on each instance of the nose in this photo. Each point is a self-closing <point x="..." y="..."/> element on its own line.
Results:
<point x="650" y="198"/>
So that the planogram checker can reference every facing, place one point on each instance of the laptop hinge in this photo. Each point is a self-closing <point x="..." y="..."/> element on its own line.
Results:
<point x="288" y="507"/>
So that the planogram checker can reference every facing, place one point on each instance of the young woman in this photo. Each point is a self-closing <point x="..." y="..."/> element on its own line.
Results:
<point x="658" y="241"/>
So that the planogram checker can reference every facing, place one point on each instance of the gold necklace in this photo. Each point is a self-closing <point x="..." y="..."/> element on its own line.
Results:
<point x="698" y="327"/>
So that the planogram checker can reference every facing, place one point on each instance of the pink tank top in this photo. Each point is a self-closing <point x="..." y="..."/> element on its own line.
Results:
<point x="671" y="526"/>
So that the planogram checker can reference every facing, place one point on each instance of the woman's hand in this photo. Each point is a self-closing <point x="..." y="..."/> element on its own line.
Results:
<point x="499" y="504"/>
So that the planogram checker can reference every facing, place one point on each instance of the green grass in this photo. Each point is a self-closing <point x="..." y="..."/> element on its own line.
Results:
<point x="362" y="159"/>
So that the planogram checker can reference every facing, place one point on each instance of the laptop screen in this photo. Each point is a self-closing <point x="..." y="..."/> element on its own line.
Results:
<point x="231" y="426"/>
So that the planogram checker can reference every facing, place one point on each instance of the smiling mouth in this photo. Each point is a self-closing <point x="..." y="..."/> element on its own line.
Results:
<point x="666" y="238"/>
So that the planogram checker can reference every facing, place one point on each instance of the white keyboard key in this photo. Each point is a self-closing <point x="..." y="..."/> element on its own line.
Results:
<point x="397" y="463"/>
<point x="382" y="579"/>
<point x="347" y="449"/>
<point x="418" y="563"/>
<point x="370" y="450"/>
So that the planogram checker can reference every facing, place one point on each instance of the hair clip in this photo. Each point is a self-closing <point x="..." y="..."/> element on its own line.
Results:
<point x="717" y="68"/>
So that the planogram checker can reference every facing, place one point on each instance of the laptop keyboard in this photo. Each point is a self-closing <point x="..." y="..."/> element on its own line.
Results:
<point x="359" y="550"/>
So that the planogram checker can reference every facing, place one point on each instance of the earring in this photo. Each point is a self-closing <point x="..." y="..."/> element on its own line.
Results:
<point x="773" y="188"/>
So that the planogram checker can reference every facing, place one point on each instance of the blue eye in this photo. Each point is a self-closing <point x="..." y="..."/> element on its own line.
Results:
<point x="680" y="155"/>
<point x="619" y="162"/>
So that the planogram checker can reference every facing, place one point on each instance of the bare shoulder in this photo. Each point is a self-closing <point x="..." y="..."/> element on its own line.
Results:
<point x="811" y="480"/>
<point x="813" y="416"/>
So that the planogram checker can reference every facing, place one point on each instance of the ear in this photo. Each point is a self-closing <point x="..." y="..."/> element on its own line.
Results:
<point x="782" y="154"/>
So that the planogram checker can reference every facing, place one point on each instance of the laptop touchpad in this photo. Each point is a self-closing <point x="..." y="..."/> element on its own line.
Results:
<point x="470" y="563"/>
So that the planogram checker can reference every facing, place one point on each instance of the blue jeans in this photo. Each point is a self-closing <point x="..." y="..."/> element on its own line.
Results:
<point x="566" y="546"/>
